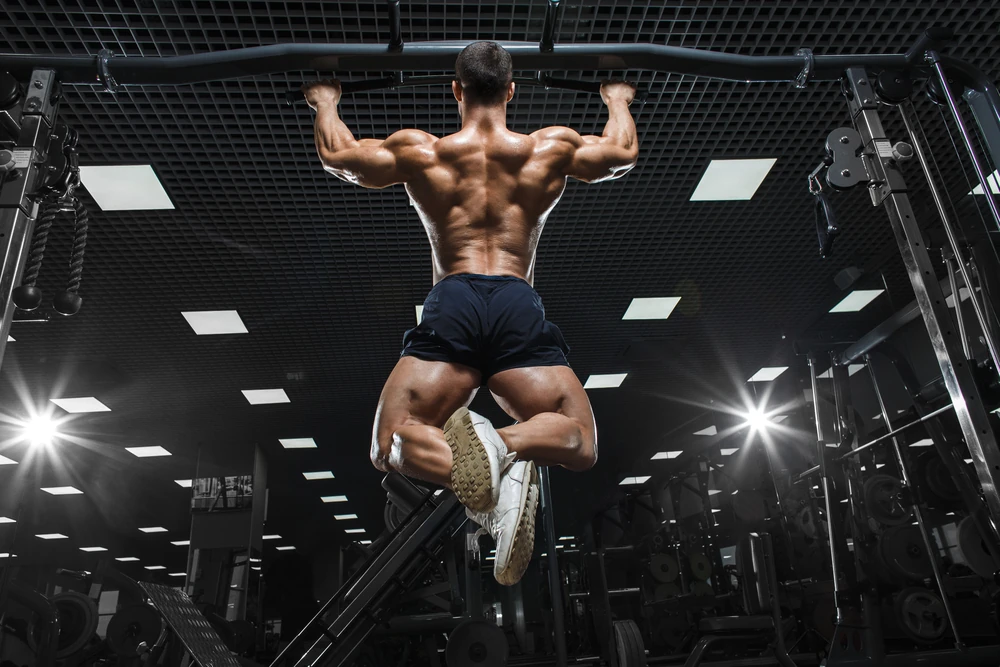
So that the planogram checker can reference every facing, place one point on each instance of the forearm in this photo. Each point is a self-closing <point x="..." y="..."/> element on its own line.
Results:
<point x="620" y="128"/>
<point x="331" y="134"/>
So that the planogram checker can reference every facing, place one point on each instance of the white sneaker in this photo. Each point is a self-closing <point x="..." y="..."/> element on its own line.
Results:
<point x="512" y="522"/>
<point x="479" y="459"/>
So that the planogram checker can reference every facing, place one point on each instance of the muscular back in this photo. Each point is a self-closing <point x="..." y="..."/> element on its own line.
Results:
<point x="484" y="196"/>
<point x="483" y="193"/>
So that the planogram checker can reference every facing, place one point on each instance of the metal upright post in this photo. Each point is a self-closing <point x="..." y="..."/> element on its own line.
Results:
<point x="555" y="582"/>
<point x="18" y="208"/>
<point x="888" y="188"/>
<point x="824" y="477"/>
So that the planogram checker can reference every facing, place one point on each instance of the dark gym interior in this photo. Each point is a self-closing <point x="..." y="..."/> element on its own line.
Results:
<point x="785" y="318"/>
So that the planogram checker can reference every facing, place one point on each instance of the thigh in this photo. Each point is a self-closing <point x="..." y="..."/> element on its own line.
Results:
<point x="525" y="392"/>
<point x="423" y="392"/>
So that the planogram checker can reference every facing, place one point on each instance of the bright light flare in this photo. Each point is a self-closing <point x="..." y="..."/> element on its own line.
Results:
<point x="758" y="420"/>
<point x="40" y="430"/>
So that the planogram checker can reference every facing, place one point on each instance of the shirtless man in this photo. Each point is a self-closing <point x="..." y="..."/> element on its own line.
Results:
<point x="483" y="195"/>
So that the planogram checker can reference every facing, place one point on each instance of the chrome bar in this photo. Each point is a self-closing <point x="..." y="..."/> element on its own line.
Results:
<point x="893" y="433"/>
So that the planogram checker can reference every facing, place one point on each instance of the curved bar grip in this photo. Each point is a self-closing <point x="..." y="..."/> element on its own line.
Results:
<point x="826" y="225"/>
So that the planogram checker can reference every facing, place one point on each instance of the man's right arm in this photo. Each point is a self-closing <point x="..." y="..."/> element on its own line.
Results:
<point x="611" y="155"/>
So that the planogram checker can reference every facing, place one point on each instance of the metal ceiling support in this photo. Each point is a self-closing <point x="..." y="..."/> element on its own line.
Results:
<point x="888" y="188"/>
<point x="18" y="184"/>
<point x="395" y="27"/>
<point x="440" y="56"/>
<point x="548" y="40"/>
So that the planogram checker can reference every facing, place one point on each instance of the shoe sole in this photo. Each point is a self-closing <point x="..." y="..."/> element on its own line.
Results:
<point x="523" y="545"/>
<point x="470" y="468"/>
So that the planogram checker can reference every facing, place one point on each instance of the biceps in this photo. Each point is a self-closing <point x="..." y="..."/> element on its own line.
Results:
<point x="368" y="164"/>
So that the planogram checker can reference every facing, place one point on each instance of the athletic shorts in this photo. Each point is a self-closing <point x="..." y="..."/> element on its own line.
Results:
<point x="490" y="323"/>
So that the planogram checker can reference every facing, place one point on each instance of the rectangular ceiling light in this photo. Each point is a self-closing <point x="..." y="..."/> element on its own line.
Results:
<point x="333" y="499"/>
<point x="147" y="452"/>
<point x="732" y="180"/>
<point x="4" y="461"/>
<point x="80" y="405"/>
<point x="628" y="481"/>
<point x="651" y="308"/>
<point x="319" y="474"/>
<point x="658" y="456"/>
<point x="420" y="313"/>
<point x="271" y="537"/>
<point x="566" y="538"/>
<point x="777" y="419"/>
<point x="345" y="517"/>
<point x="727" y="452"/>
<point x="215" y="322"/>
<point x="51" y="536"/>
<point x="605" y="381"/>
<point x="92" y="549"/>
<point x="854" y="368"/>
<point x="127" y="559"/>
<point x="266" y="396"/>
<point x="286" y="548"/>
<point x="994" y="182"/>
<point x="125" y="187"/>
<point x="6" y="519"/>
<point x="767" y="373"/>
<point x="926" y="442"/>
<point x="711" y="430"/>
<point x="354" y="531"/>
<point x="177" y="574"/>
<point x="10" y="339"/>
<point x="153" y="529"/>
<point x="297" y="443"/>
<point x="186" y="483"/>
<point x="181" y="543"/>
<point x="62" y="490"/>
<point x="856" y="300"/>
<point x="365" y="542"/>
<point x="155" y="567"/>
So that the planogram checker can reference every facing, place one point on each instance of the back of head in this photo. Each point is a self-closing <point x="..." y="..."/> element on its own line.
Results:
<point x="484" y="70"/>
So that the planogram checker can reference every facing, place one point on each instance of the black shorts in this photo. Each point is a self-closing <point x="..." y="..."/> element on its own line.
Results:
<point x="491" y="323"/>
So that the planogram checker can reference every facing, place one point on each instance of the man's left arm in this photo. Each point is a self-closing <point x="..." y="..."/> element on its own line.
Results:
<point x="370" y="163"/>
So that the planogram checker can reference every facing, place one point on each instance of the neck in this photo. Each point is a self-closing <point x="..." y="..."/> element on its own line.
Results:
<point x="484" y="117"/>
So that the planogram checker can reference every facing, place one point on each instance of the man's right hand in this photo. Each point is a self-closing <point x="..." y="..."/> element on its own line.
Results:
<point x="322" y="92"/>
<point x="617" y="90"/>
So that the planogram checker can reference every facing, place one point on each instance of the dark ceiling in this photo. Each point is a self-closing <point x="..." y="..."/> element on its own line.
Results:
<point x="326" y="275"/>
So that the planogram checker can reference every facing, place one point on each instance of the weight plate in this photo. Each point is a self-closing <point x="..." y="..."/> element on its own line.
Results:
<point x="881" y="494"/>
<point x="805" y="521"/>
<point x="902" y="551"/>
<point x="476" y="644"/>
<point x="938" y="486"/>
<point x="921" y="615"/>
<point x="132" y="626"/>
<point x="666" y="591"/>
<point x="701" y="588"/>
<point x="973" y="548"/>
<point x="628" y="644"/>
<point x="663" y="568"/>
<point x="701" y="567"/>
<point x="516" y="611"/>
<point x="77" y="623"/>
<point x="749" y="507"/>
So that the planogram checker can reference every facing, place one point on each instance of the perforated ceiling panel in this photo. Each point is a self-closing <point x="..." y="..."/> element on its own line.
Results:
<point x="326" y="275"/>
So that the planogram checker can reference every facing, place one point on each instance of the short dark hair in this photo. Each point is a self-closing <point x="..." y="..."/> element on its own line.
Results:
<point x="484" y="71"/>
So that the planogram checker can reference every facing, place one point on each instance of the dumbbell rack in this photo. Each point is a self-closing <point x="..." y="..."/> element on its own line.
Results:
<point x="364" y="601"/>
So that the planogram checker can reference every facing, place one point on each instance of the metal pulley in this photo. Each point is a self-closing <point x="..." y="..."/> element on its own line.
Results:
<point x="133" y="630"/>
<point x="701" y="566"/>
<point x="902" y="554"/>
<point x="882" y="500"/>
<point x="476" y="644"/>
<point x="973" y="548"/>
<point x="516" y="612"/>
<point x="663" y="568"/>
<point x="77" y="624"/>
<point x="921" y="615"/>
<point x="805" y="521"/>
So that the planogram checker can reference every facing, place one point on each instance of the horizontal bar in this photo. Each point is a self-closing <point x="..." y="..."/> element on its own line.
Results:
<point x="440" y="56"/>
<point x="807" y="473"/>
<point x="888" y="435"/>
<point x="614" y="592"/>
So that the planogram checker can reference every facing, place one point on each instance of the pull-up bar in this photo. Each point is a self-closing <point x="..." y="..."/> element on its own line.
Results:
<point x="440" y="56"/>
